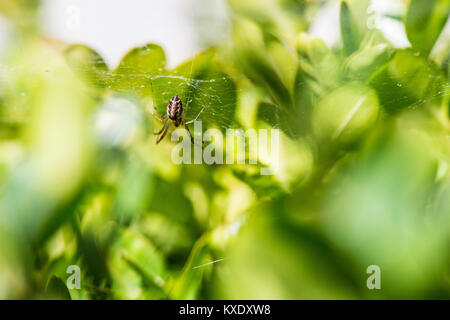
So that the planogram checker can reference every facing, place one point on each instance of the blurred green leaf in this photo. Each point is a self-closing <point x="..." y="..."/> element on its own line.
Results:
<point x="134" y="193"/>
<point x="318" y="72"/>
<point x="136" y="67"/>
<point x="425" y="21"/>
<point x="41" y="184"/>
<point x="134" y="255"/>
<point x="361" y="175"/>
<point x="285" y="60"/>
<point x="188" y="285"/>
<point x="278" y="118"/>
<point x="251" y="56"/>
<point x="88" y="64"/>
<point x="22" y="13"/>
<point x="363" y="63"/>
<point x="280" y="18"/>
<point x="169" y="236"/>
<point x="345" y="114"/>
<point x="57" y="289"/>
<point x="383" y="204"/>
<point x="307" y="266"/>
<point x="349" y="31"/>
<point x="180" y="211"/>
<point x="264" y="186"/>
<point x="406" y="80"/>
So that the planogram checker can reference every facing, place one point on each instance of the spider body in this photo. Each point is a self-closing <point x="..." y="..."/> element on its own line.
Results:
<point x="175" y="110"/>
<point x="175" y="115"/>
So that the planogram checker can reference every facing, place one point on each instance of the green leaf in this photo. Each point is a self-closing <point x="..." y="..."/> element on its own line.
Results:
<point x="134" y="192"/>
<point x="141" y="251"/>
<point x="137" y="67"/>
<point x="280" y="18"/>
<point x="168" y="83"/>
<point x="137" y="268"/>
<point x="269" y="241"/>
<point x="383" y="201"/>
<point x="57" y="289"/>
<point x="284" y="60"/>
<point x="58" y="104"/>
<point x="214" y="91"/>
<point x="305" y="99"/>
<point x="278" y="118"/>
<point x="425" y="21"/>
<point x="264" y="186"/>
<point x="201" y="85"/>
<point x="441" y="53"/>
<point x="349" y="31"/>
<point x="345" y="114"/>
<point x="446" y="65"/>
<point x="22" y="14"/>
<point x="318" y="64"/>
<point x="188" y="285"/>
<point x="364" y="62"/>
<point x="317" y="74"/>
<point x="88" y="64"/>
<point x="143" y="60"/>
<point x="408" y="79"/>
<point x="198" y="82"/>
<point x="257" y="65"/>
<point x="167" y="235"/>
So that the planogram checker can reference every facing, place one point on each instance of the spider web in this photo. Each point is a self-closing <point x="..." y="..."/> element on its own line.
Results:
<point x="210" y="90"/>
<point x="216" y="96"/>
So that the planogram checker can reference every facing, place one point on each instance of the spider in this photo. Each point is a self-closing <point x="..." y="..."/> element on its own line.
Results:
<point x="174" y="114"/>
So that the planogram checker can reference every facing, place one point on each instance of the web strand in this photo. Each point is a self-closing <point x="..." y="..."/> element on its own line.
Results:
<point x="189" y="91"/>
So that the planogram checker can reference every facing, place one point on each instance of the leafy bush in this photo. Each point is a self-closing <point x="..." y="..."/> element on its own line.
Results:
<point x="363" y="177"/>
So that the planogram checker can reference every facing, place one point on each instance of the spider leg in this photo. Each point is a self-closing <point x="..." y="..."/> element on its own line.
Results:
<point x="195" y="119"/>
<point x="158" y="117"/>
<point x="166" y="128"/>
<point x="162" y="129"/>
<point x="189" y="133"/>
<point x="191" y="137"/>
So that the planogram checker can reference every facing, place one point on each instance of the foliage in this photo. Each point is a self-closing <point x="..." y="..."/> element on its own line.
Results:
<point x="363" y="175"/>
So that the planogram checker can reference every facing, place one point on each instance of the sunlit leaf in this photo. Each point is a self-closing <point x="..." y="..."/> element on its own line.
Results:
<point x="88" y="64"/>
<point x="252" y="57"/>
<point x="137" y="67"/>
<point x="317" y="73"/>
<point x="188" y="285"/>
<point x="278" y="118"/>
<point x="349" y="31"/>
<point x="425" y="21"/>
<point x="408" y="79"/>
<point x="345" y="114"/>
<point x="199" y="83"/>
<point x="364" y="62"/>
<point x="383" y="203"/>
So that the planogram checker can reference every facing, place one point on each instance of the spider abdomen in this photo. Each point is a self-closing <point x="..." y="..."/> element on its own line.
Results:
<point x="175" y="108"/>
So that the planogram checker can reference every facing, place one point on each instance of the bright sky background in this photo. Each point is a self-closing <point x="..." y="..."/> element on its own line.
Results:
<point x="113" y="27"/>
<point x="181" y="27"/>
